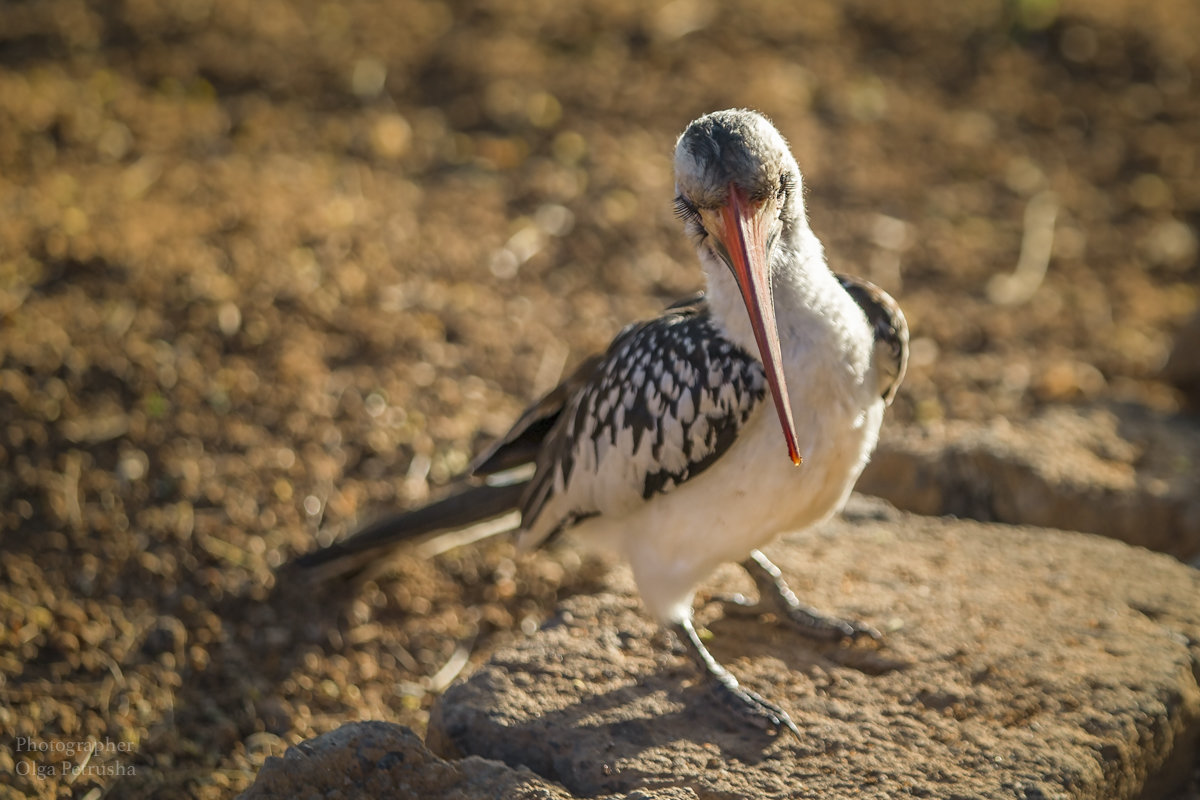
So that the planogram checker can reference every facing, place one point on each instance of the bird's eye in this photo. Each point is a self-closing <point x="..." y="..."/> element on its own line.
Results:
<point x="685" y="210"/>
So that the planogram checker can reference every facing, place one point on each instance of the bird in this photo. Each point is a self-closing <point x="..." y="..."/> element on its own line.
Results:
<point x="666" y="447"/>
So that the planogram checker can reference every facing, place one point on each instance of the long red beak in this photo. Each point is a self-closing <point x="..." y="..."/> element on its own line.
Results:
<point x="743" y="228"/>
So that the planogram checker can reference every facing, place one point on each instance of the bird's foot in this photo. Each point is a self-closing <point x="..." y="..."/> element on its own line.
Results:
<point x="814" y="624"/>
<point x="747" y="705"/>
<point x="775" y="596"/>
<point x="806" y="621"/>
<point x="751" y="707"/>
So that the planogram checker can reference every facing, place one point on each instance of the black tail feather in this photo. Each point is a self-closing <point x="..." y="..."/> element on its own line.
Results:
<point x="467" y="507"/>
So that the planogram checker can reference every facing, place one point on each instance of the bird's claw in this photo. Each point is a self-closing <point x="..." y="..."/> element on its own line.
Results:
<point x="861" y="630"/>
<point x="752" y="707"/>
<point x="822" y="626"/>
<point x="807" y="621"/>
<point x="775" y="596"/>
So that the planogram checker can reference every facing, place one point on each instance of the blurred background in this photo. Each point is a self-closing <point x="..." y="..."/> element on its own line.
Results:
<point x="268" y="266"/>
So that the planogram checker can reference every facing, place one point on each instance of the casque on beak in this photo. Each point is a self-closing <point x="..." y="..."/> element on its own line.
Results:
<point x="741" y="229"/>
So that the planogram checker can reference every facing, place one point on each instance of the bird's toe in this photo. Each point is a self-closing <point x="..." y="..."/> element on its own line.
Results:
<point x="822" y="626"/>
<point x="860" y="631"/>
<point x="752" y="708"/>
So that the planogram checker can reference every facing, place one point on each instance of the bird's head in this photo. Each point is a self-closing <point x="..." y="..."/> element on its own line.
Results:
<point x="737" y="192"/>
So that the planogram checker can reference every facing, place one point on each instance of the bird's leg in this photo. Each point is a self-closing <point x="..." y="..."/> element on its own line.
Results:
<point x="742" y="701"/>
<point x="775" y="596"/>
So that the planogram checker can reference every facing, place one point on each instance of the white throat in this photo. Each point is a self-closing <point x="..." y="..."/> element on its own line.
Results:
<point x="805" y="292"/>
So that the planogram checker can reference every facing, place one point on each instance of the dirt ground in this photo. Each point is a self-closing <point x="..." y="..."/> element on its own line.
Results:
<point x="269" y="266"/>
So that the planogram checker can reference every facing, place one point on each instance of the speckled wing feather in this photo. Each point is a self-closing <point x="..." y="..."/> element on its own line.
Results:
<point x="525" y="439"/>
<point x="890" y="329"/>
<point x="665" y="402"/>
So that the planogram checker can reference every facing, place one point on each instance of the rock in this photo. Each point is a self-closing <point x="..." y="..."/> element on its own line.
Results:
<point x="380" y="759"/>
<point x="1183" y="365"/>
<point x="1017" y="662"/>
<point x="1119" y="472"/>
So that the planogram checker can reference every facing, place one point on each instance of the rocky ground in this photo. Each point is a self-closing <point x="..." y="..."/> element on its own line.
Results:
<point x="269" y="267"/>
<point x="1007" y="670"/>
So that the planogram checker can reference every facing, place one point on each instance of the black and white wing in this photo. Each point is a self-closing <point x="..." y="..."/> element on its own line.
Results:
<point x="890" y="329"/>
<point x="665" y="402"/>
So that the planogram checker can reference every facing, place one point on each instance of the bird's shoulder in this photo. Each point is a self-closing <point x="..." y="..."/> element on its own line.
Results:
<point x="889" y="327"/>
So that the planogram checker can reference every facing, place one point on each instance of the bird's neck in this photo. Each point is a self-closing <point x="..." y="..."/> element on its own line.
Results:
<point x="804" y="289"/>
